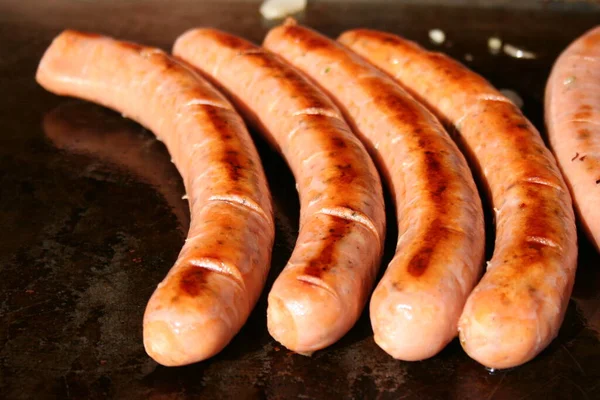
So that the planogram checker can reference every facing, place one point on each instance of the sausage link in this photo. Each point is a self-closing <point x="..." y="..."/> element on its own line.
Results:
<point x="517" y="308"/>
<point x="573" y="122"/>
<point x="416" y="306"/>
<point x="217" y="278"/>
<point x="321" y="292"/>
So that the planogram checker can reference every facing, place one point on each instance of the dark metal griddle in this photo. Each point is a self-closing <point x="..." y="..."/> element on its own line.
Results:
<point x="91" y="220"/>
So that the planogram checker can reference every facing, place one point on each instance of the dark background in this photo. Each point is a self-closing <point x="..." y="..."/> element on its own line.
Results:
<point x="91" y="219"/>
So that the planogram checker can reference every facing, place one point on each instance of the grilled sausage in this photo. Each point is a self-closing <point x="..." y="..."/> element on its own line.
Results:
<point x="439" y="256"/>
<point x="320" y="294"/>
<point x="517" y="308"/>
<point x="208" y="294"/>
<point x="573" y="121"/>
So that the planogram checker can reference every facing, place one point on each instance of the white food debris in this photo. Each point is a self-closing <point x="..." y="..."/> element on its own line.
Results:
<point x="184" y="197"/>
<point x="437" y="36"/>
<point x="516" y="52"/>
<point x="569" y="80"/>
<point x="274" y="9"/>
<point x="494" y="44"/>
<point x="513" y="96"/>
<point x="469" y="57"/>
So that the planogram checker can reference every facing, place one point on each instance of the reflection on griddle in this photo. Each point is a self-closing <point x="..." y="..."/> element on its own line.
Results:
<point x="84" y="128"/>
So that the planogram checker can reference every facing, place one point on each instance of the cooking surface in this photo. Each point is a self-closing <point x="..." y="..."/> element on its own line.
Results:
<point x="92" y="219"/>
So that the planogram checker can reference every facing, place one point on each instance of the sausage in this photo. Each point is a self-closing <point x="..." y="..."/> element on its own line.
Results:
<point x="439" y="256"/>
<point x="83" y="128"/>
<point x="517" y="308"/>
<point x="573" y="122"/>
<point x="208" y="294"/>
<point x="322" y="290"/>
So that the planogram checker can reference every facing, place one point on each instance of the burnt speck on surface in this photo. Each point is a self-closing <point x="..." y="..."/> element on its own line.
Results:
<point x="192" y="280"/>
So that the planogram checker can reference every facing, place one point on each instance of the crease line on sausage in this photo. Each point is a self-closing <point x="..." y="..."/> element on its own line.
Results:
<point x="543" y="240"/>
<point x="311" y="280"/>
<point x="205" y="102"/>
<point x="317" y="111"/>
<point x="483" y="98"/>
<point x="243" y="202"/>
<point x="540" y="181"/>
<point x="351" y="215"/>
<point x="193" y="113"/>
<point x="586" y="121"/>
<point x="218" y="267"/>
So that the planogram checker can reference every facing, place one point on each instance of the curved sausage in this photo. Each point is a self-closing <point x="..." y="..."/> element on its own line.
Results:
<point x="321" y="292"/>
<point x="439" y="256"/>
<point x="518" y="307"/>
<point x="208" y="294"/>
<point x="573" y="121"/>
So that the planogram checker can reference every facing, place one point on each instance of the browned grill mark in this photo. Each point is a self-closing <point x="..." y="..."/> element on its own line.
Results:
<point x="450" y="69"/>
<point x="192" y="280"/>
<point x="309" y="40"/>
<point x="436" y="232"/>
<point x="338" y="143"/>
<point x="407" y="114"/>
<point x="584" y="134"/>
<point x="347" y="174"/>
<point x="230" y="41"/>
<point x="290" y="80"/>
<point x="419" y="263"/>
<point x="584" y="112"/>
<point x="327" y="256"/>
<point x="235" y="163"/>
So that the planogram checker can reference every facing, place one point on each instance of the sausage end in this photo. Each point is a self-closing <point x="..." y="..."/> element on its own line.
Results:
<point x="304" y="306"/>
<point x="412" y="326"/>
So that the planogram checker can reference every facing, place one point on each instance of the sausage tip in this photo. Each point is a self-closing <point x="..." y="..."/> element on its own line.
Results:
<point x="294" y="312"/>
<point x="411" y="326"/>
<point x="172" y="346"/>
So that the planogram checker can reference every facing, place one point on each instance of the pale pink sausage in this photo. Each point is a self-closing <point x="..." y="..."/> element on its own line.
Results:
<point x="208" y="294"/>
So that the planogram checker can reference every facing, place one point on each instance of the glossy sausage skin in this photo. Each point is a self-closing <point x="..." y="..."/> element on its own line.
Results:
<point x="573" y="121"/>
<point x="208" y="294"/>
<point x="320" y="294"/>
<point x="415" y="308"/>
<point x="517" y="308"/>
